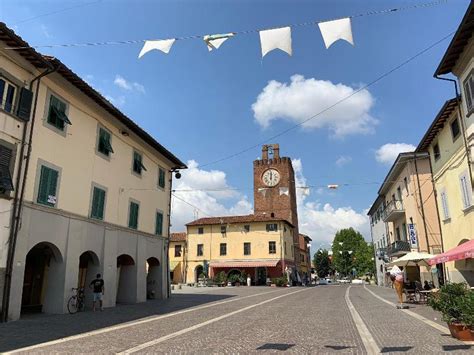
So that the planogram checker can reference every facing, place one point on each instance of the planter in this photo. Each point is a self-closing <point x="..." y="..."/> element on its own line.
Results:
<point x="461" y="332"/>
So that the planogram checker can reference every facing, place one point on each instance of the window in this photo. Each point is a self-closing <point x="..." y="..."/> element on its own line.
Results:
<point x="133" y="215"/>
<point x="48" y="184"/>
<point x="57" y="116"/>
<point x="405" y="182"/>
<point x="98" y="203"/>
<point x="201" y="230"/>
<point x="223" y="229"/>
<point x="138" y="163"/>
<point x="404" y="231"/>
<point x="399" y="193"/>
<point x="6" y="182"/>
<point x="466" y="190"/>
<point x="161" y="177"/>
<point x="398" y="233"/>
<point x="302" y="258"/>
<point x="272" y="248"/>
<point x="177" y="251"/>
<point x="104" y="145"/>
<point x="436" y="152"/>
<point x="200" y="249"/>
<point x="246" y="248"/>
<point x="159" y="223"/>
<point x="272" y="227"/>
<point x="469" y="92"/>
<point x="455" y="130"/>
<point x="444" y="204"/>
<point x="7" y="95"/>
<point x="247" y="228"/>
<point x="223" y="249"/>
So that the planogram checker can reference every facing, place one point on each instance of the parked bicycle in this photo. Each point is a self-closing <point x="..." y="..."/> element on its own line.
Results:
<point x="76" y="302"/>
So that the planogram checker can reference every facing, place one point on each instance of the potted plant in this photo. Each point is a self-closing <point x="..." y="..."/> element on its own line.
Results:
<point x="234" y="279"/>
<point x="220" y="279"/>
<point x="456" y="304"/>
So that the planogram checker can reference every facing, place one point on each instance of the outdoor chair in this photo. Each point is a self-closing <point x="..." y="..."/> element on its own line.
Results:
<point x="422" y="294"/>
<point x="410" y="295"/>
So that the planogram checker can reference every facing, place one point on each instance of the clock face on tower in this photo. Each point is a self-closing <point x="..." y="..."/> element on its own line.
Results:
<point x="271" y="177"/>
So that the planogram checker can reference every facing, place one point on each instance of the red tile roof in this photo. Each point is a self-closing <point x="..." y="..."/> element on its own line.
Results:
<point x="235" y="219"/>
<point x="178" y="237"/>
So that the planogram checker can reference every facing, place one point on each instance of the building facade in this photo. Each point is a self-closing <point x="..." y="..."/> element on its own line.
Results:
<point x="91" y="196"/>
<point x="378" y="232"/>
<point x="305" y="256"/>
<point x="177" y="255"/>
<point x="263" y="245"/>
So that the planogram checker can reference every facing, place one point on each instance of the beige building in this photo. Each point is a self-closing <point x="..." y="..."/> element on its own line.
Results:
<point x="177" y="255"/>
<point x="91" y="196"/>
<point x="410" y="210"/>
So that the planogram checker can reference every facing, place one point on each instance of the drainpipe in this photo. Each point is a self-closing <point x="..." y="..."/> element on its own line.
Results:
<point x="422" y="207"/>
<point x="168" y="285"/>
<point x="463" y="128"/>
<point x="18" y="197"/>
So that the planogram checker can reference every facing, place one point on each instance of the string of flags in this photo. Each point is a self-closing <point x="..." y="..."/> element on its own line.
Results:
<point x="271" y="39"/>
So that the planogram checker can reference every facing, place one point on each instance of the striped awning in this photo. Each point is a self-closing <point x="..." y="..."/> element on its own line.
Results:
<point x="242" y="264"/>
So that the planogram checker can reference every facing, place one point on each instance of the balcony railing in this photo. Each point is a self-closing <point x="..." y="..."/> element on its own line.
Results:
<point x="398" y="247"/>
<point x="393" y="211"/>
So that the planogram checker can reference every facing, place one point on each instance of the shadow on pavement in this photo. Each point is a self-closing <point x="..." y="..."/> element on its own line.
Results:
<point x="390" y="349"/>
<point x="456" y="347"/>
<point x="338" y="347"/>
<point x="276" y="346"/>
<point x="34" y="329"/>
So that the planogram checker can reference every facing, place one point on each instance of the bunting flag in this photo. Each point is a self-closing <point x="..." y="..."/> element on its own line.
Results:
<point x="284" y="191"/>
<point x="215" y="41"/>
<point x="161" y="45"/>
<point x="333" y="187"/>
<point x="278" y="38"/>
<point x="333" y="31"/>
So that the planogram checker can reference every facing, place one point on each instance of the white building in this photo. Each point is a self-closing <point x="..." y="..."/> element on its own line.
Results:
<point x="378" y="231"/>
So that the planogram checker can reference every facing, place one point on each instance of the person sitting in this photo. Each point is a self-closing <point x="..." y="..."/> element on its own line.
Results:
<point x="426" y="286"/>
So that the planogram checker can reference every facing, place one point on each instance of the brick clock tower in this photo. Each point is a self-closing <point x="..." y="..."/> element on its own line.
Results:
<point x="274" y="188"/>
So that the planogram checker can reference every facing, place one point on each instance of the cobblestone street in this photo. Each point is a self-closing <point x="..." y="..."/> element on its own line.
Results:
<point x="242" y="320"/>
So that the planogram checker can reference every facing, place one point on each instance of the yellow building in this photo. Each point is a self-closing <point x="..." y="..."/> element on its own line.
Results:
<point x="260" y="246"/>
<point x="444" y="142"/>
<point x="92" y="192"/>
<point x="178" y="257"/>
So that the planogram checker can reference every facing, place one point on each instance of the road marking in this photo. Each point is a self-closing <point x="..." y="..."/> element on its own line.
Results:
<point x="367" y="339"/>
<point x="413" y="314"/>
<point x="130" y="324"/>
<point x="203" y="324"/>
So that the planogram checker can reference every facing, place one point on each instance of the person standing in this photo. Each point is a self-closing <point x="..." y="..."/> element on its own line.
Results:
<point x="97" y="286"/>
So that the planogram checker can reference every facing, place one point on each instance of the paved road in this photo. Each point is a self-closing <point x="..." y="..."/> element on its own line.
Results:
<point x="323" y="319"/>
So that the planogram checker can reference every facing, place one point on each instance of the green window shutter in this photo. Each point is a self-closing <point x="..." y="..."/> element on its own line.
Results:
<point x="6" y="182"/>
<point x="133" y="216"/>
<point x="161" y="178"/>
<point x="57" y="113"/>
<point x="98" y="203"/>
<point x="47" y="186"/>
<point x="138" y="163"/>
<point x="159" y="223"/>
<point x="104" y="146"/>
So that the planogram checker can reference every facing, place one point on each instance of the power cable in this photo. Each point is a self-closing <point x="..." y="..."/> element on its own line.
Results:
<point x="308" y="23"/>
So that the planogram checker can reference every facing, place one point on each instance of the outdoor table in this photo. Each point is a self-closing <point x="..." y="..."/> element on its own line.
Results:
<point x="424" y="295"/>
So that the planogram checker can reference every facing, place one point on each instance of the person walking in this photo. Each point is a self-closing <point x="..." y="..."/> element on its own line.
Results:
<point x="97" y="286"/>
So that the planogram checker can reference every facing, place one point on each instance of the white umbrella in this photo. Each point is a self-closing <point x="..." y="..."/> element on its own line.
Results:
<point x="413" y="258"/>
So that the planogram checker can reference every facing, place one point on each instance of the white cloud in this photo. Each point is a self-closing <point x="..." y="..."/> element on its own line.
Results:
<point x="122" y="83"/>
<point x="209" y="203"/>
<point x="343" y="160"/>
<point x="387" y="153"/>
<point x="303" y="98"/>
<point x="322" y="221"/>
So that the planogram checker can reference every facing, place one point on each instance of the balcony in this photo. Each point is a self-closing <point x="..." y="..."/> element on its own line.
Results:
<point x="398" y="247"/>
<point x="393" y="211"/>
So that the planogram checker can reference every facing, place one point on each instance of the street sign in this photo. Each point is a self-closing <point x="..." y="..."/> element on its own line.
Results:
<point x="412" y="235"/>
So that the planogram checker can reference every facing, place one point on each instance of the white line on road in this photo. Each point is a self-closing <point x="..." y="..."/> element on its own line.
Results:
<point x="367" y="339"/>
<point x="130" y="324"/>
<point x="200" y="325"/>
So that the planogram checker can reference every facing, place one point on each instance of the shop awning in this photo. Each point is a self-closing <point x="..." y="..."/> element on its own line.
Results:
<point x="412" y="259"/>
<point x="173" y="265"/>
<point x="242" y="264"/>
<point x="463" y="251"/>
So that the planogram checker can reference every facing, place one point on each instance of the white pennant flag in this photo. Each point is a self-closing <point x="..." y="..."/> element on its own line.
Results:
<point x="278" y="38"/>
<point x="162" y="45"/>
<point x="336" y="30"/>
<point x="215" y="41"/>
<point x="284" y="191"/>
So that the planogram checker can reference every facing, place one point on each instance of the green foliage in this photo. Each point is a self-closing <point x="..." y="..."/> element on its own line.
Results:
<point x="280" y="281"/>
<point x="233" y="278"/>
<point x="220" y="278"/>
<point x="202" y="275"/>
<point x="322" y="263"/>
<point x="351" y="251"/>
<point x="455" y="302"/>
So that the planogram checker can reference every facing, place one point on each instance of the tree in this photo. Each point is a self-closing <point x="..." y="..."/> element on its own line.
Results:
<point x="322" y="263"/>
<point x="352" y="253"/>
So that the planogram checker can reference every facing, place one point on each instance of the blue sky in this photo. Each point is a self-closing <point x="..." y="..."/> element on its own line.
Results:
<point x="199" y="103"/>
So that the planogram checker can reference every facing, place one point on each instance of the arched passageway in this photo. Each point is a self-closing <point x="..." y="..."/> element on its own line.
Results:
<point x="153" y="279"/>
<point x="261" y="278"/>
<point x="42" y="282"/>
<point x="126" y="279"/>
<point x="197" y="272"/>
<point x="89" y="267"/>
